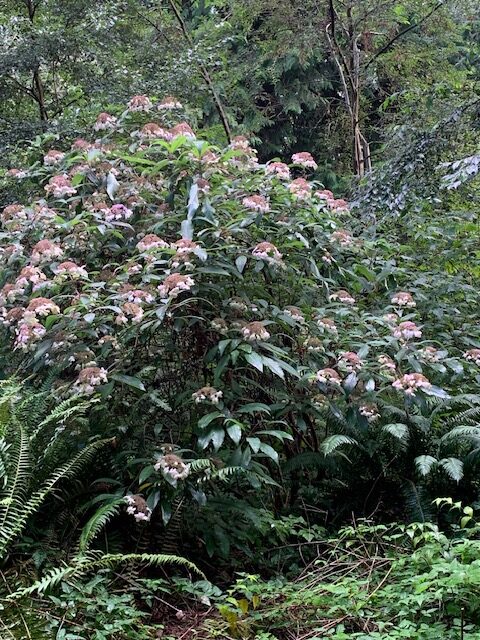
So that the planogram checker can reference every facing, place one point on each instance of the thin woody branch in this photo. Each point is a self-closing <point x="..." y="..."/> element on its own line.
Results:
<point x="204" y="71"/>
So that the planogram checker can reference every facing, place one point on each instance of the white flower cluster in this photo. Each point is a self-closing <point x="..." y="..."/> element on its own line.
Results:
<point x="410" y="383"/>
<point x="174" y="284"/>
<point x="172" y="467"/>
<point x="89" y="378"/>
<point x="138" y="508"/>
<point x="255" y="331"/>
<point x="207" y="394"/>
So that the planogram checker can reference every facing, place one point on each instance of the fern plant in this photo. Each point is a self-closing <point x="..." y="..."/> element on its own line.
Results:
<point x="29" y="472"/>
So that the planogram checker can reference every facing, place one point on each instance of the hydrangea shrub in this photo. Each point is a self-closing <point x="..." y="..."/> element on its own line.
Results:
<point x="223" y="315"/>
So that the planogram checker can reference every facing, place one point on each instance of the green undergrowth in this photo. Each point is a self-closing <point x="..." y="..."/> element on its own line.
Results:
<point x="383" y="581"/>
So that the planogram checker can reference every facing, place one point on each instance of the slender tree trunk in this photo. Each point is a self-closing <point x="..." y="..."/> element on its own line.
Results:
<point x="40" y="95"/>
<point x="38" y="91"/>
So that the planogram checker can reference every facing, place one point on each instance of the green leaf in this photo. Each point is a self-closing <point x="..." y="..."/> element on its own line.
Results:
<point x="254" y="407"/>
<point x="269" y="451"/>
<point x="240" y="263"/>
<point x="131" y="381"/>
<point x="281" y="435"/>
<point x="255" y="359"/>
<point x="235" y="432"/>
<point x="217" y="437"/>
<point x="274" y="367"/>
<point x="254" y="444"/>
<point x="207" y="419"/>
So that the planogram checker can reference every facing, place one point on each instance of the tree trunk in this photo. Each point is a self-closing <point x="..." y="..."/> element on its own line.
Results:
<point x="40" y="95"/>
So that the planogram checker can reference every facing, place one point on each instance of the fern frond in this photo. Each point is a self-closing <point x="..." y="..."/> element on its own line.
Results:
<point x="306" y="460"/>
<point x="19" y="472"/>
<point x="469" y="415"/>
<point x="18" y="513"/>
<point x="425" y="463"/>
<point x="97" y="523"/>
<point x="462" y="432"/>
<point x="453" y="467"/>
<point x="330" y="444"/>
<point x="92" y="562"/>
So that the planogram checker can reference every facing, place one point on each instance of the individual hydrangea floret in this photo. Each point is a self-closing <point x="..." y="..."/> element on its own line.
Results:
<point x="386" y="362"/>
<point x="304" y="159"/>
<point x="46" y="251"/>
<point x="328" y="376"/>
<point x="220" y="325"/>
<point x="132" y="311"/>
<point x="369" y="411"/>
<point x="327" y="324"/>
<point x="341" y="237"/>
<point x="300" y="188"/>
<point x="139" y="103"/>
<point x="104" y="122"/>
<point x="169" y="103"/>
<point x="60" y="186"/>
<point x="429" y="354"/>
<point x="407" y="330"/>
<point x="342" y="296"/>
<point x="118" y="212"/>
<point x="253" y="331"/>
<point x="42" y="307"/>
<point x="53" y="157"/>
<point x="279" y="169"/>
<point x="295" y="314"/>
<point x="69" y="269"/>
<point x="403" y="299"/>
<point x="27" y="333"/>
<point x="89" y="378"/>
<point x="151" y="241"/>
<point x="268" y="252"/>
<point x="410" y="383"/>
<point x="182" y="129"/>
<point x="174" y="284"/>
<point x="473" y="355"/>
<point x="138" y="508"/>
<point x="256" y="203"/>
<point x="207" y="394"/>
<point x="350" y="361"/>
<point x="173" y="467"/>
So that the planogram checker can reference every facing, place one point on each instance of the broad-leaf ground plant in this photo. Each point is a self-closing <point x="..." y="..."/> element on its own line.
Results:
<point x="234" y="326"/>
